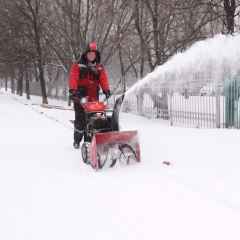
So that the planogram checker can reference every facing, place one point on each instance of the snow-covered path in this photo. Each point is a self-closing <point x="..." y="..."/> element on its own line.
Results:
<point x="46" y="192"/>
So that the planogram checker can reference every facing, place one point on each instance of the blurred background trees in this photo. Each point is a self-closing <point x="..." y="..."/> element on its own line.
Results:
<point x="41" y="38"/>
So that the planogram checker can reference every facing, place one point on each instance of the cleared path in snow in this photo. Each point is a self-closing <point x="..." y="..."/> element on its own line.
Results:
<point x="47" y="193"/>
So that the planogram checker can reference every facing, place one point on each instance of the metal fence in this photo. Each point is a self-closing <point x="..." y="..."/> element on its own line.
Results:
<point x="217" y="107"/>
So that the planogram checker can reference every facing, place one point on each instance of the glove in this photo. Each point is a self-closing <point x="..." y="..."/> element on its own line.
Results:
<point x="107" y="94"/>
<point x="81" y="92"/>
<point x="72" y="93"/>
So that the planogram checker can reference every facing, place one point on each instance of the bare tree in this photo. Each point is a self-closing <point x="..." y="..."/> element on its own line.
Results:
<point x="230" y="8"/>
<point x="32" y="11"/>
<point x="41" y="38"/>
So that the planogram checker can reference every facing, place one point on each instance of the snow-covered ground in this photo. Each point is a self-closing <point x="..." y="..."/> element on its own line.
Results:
<point x="48" y="193"/>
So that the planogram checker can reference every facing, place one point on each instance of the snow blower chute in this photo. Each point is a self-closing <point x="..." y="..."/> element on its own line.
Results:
<point x="104" y="144"/>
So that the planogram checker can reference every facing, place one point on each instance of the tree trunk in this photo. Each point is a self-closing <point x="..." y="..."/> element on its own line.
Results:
<point x="12" y="83"/>
<point x="42" y="83"/>
<point x="6" y="84"/>
<point x="27" y="85"/>
<point x="230" y="8"/>
<point x="20" y="81"/>
<point x="37" y="40"/>
<point x="36" y="72"/>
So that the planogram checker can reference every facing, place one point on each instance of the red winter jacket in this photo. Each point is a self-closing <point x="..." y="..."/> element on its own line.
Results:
<point x="90" y="84"/>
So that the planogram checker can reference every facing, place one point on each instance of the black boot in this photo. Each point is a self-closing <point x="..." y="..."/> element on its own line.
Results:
<point x="76" y="145"/>
<point x="77" y="139"/>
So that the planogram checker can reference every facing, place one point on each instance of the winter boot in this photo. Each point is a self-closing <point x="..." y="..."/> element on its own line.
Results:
<point x="76" y="145"/>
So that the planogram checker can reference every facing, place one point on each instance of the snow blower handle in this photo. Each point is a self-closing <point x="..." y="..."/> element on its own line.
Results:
<point x="107" y="94"/>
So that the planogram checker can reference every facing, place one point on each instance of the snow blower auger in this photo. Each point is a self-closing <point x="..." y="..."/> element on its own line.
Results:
<point x="104" y="145"/>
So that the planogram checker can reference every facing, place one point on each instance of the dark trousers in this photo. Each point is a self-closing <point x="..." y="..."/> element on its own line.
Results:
<point x="79" y="123"/>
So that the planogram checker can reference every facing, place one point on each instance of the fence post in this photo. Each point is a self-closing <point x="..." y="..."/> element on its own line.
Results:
<point x="170" y="107"/>
<point x="218" y="108"/>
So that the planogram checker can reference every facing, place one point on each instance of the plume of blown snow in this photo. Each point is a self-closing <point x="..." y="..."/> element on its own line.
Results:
<point x="209" y="60"/>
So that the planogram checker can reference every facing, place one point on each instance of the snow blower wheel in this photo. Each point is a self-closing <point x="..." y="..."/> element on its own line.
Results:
<point x="86" y="152"/>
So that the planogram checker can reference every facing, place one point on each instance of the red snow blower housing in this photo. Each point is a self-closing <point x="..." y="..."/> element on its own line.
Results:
<point x="104" y="145"/>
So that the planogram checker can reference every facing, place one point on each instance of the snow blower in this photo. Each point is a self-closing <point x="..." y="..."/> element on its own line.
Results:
<point x="104" y="144"/>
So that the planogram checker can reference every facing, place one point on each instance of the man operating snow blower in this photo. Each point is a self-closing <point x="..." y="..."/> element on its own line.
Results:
<point x="86" y="78"/>
<point x="104" y="145"/>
